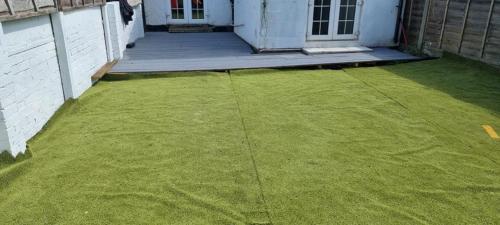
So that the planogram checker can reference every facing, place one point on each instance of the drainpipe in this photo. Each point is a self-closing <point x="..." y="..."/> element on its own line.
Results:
<point x="399" y="24"/>
<point x="232" y="11"/>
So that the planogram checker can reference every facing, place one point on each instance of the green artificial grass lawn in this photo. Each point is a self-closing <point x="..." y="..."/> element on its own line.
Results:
<point x="399" y="144"/>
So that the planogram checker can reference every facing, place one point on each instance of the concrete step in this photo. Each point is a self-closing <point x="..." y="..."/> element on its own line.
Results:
<point x="190" y="29"/>
<point x="311" y="51"/>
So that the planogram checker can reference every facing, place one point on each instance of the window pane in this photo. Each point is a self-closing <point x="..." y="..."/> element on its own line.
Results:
<point x="318" y="2"/>
<point x="198" y="14"/>
<point x="197" y="9"/>
<point x="324" y="28"/>
<point x="342" y="13"/>
<point x="325" y="15"/>
<point x="349" y="27"/>
<point x="197" y="4"/>
<point x="343" y="2"/>
<point x="317" y="13"/>
<point x="351" y="12"/>
<point x="341" y="27"/>
<point x="327" y="2"/>
<point x="315" y="28"/>
<point x="177" y="9"/>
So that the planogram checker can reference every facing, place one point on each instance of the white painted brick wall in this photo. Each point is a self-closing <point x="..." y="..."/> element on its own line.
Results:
<point x="122" y="34"/>
<point x="84" y="40"/>
<point x="30" y="84"/>
<point x="33" y="70"/>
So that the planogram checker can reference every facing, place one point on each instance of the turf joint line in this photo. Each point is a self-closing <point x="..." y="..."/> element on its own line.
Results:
<point x="491" y="132"/>
<point x="252" y="154"/>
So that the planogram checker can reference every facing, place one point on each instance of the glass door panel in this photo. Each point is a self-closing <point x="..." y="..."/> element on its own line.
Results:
<point x="197" y="10"/>
<point x="187" y="12"/>
<point x="177" y="9"/>
<point x="333" y="19"/>
<point x="347" y="20"/>
<point x="320" y="20"/>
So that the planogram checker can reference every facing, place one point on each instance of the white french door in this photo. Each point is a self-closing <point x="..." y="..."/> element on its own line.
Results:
<point x="333" y="19"/>
<point x="187" y="12"/>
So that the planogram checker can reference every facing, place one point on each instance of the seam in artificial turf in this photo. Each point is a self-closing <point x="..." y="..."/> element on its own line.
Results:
<point x="377" y="90"/>
<point x="261" y="189"/>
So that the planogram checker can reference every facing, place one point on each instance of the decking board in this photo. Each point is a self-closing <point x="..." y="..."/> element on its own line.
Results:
<point x="170" y="52"/>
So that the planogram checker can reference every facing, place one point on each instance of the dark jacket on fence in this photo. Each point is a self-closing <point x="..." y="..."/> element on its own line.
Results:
<point x="126" y="10"/>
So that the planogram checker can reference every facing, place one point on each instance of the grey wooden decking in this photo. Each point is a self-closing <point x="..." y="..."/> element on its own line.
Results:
<point x="169" y="52"/>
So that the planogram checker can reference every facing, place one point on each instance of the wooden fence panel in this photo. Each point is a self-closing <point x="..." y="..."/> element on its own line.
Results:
<point x="17" y="9"/>
<point x="42" y="4"/>
<point x="435" y="23"/>
<point x="22" y="5"/>
<point x="492" y="45"/>
<point x="454" y="24"/>
<point x="4" y="10"/>
<point x="416" y="9"/>
<point x="470" y="28"/>
<point x="475" y="28"/>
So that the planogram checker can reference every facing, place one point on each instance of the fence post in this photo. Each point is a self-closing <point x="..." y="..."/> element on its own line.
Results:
<point x="423" y="25"/>
<point x="487" y="28"/>
<point x="443" y="26"/>
<point x="10" y="7"/>
<point x="463" y="26"/>
<point x="57" y="20"/>
<point x="410" y="15"/>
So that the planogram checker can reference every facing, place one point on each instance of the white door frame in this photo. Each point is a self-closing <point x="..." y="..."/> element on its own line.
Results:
<point x="188" y="15"/>
<point x="333" y="23"/>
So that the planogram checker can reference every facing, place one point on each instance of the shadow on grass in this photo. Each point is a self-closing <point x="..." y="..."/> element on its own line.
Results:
<point x="470" y="81"/>
<point x="6" y="159"/>
<point x="139" y="76"/>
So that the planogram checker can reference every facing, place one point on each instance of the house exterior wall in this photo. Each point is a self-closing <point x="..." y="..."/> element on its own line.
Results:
<point x="247" y="21"/>
<point x="219" y="12"/>
<point x="30" y="83"/>
<point x="378" y="22"/>
<point x="284" y="23"/>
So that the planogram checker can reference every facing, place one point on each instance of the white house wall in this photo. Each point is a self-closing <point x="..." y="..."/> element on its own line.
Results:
<point x="284" y="23"/>
<point x="247" y="21"/>
<point x="219" y="12"/>
<point x="156" y="12"/>
<point x="378" y="22"/>
<point x="30" y="84"/>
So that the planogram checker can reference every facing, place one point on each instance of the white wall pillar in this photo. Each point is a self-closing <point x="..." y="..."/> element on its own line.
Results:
<point x="81" y="47"/>
<point x="107" y="32"/>
<point x="62" y="54"/>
